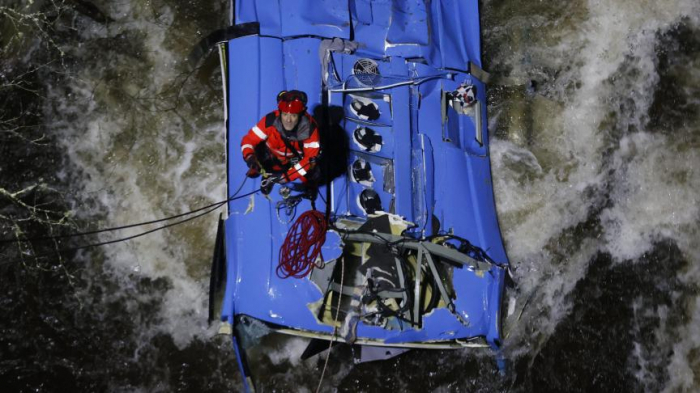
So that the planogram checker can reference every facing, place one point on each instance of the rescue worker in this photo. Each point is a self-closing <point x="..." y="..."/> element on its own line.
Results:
<point x="291" y="143"/>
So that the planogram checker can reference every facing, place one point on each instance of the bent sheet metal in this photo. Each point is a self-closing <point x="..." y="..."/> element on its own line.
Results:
<point x="398" y="92"/>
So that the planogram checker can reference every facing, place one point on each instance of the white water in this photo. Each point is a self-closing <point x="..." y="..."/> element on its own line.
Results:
<point x="136" y="162"/>
<point x="652" y="175"/>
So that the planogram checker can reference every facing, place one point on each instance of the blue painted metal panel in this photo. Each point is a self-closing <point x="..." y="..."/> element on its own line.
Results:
<point x="232" y="247"/>
<point x="302" y="70"/>
<point x="340" y="196"/>
<point x="456" y="27"/>
<point x="452" y="193"/>
<point x="402" y="155"/>
<point x="290" y="18"/>
<point x="372" y="26"/>
<point x="409" y="24"/>
<point x="481" y="191"/>
<point x="430" y="114"/>
<point x="493" y="334"/>
<point x="254" y="80"/>
<point x="455" y="180"/>
<point x="447" y="32"/>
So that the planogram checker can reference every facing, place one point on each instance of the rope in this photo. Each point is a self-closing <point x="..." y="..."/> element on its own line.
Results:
<point x="335" y="324"/>
<point x="215" y="205"/>
<point x="303" y="245"/>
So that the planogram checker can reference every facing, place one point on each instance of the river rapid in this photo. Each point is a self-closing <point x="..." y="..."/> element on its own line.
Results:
<point x="594" y="111"/>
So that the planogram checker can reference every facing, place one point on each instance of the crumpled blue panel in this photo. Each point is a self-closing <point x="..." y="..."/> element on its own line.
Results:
<point x="362" y="11"/>
<point x="455" y="191"/>
<point x="392" y="28"/>
<point x="409" y="23"/>
<point x="455" y="25"/>
<point x="289" y="18"/>
<point x="445" y="32"/>
<point x="302" y="70"/>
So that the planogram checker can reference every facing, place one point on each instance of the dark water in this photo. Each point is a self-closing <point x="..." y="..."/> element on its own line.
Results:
<point x="595" y="113"/>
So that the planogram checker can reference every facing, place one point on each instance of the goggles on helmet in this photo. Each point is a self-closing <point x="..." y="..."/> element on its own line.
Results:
<point x="291" y="101"/>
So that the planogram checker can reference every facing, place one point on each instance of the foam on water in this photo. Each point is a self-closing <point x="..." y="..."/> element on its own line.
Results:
<point x="635" y="186"/>
<point x="591" y="176"/>
<point x="655" y="197"/>
<point x="141" y="152"/>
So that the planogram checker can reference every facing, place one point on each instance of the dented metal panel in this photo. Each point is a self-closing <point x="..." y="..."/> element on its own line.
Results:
<point x="410" y="154"/>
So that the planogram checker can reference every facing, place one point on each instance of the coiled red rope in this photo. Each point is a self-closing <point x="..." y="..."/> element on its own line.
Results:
<point x="303" y="245"/>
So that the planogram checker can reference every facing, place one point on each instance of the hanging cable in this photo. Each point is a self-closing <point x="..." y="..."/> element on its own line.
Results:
<point x="118" y="228"/>
<point x="143" y="233"/>
<point x="205" y="210"/>
<point x="213" y="208"/>
<point x="335" y="324"/>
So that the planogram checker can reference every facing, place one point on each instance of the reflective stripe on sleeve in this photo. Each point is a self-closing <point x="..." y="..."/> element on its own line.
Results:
<point x="246" y="147"/>
<point x="313" y="145"/>
<point x="259" y="133"/>
<point x="300" y="169"/>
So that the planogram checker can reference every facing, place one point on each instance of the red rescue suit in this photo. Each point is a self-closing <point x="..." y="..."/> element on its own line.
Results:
<point x="304" y="138"/>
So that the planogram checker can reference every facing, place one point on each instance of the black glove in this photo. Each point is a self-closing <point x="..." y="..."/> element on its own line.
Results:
<point x="253" y="166"/>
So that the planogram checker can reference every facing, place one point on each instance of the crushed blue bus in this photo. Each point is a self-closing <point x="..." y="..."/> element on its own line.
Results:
<point x="414" y="256"/>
